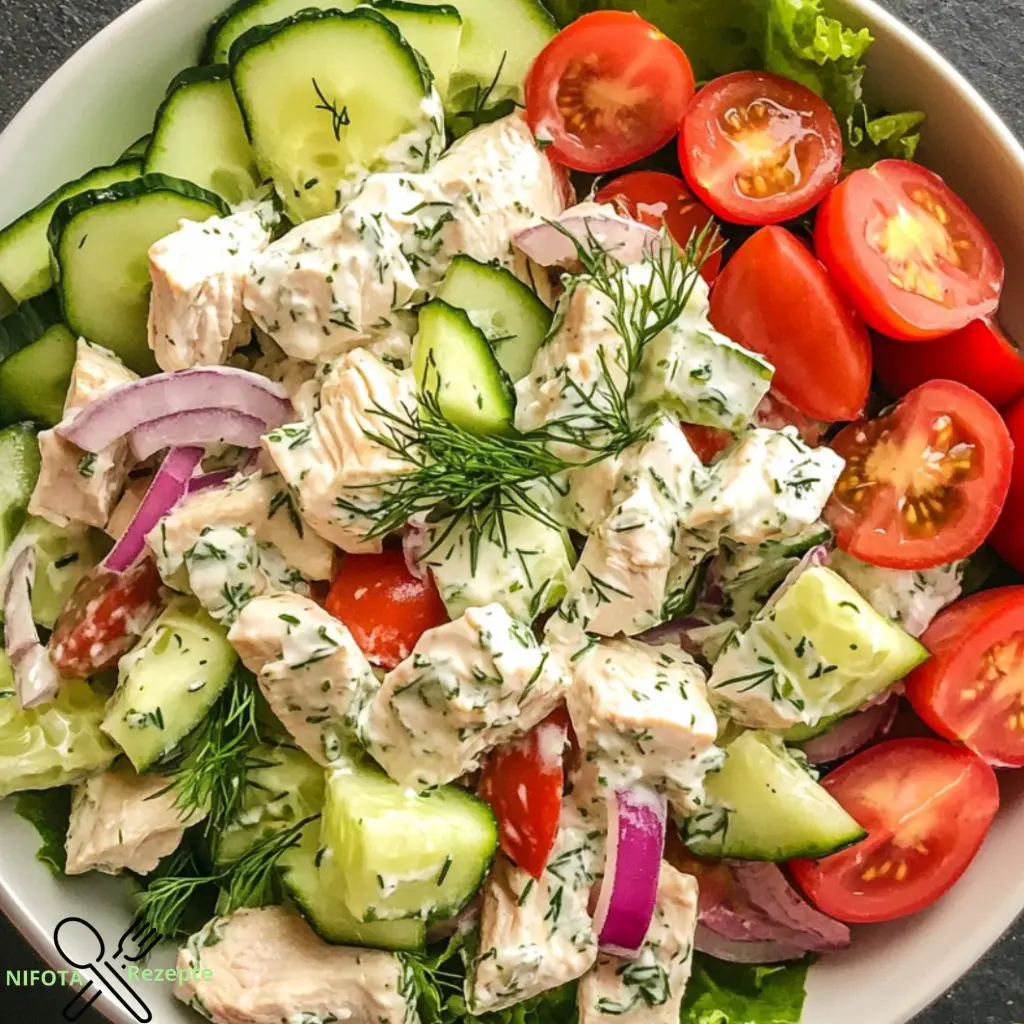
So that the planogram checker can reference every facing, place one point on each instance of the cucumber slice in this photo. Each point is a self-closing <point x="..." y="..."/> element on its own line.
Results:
<point x="34" y="382"/>
<point x="500" y="40"/>
<point x="819" y="651"/>
<point x="137" y="150"/>
<point x="199" y="136"/>
<point x="327" y="96"/>
<point x="310" y="883"/>
<point x="100" y="241"/>
<point x="246" y="14"/>
<point x="19" y="470"/>
<point x="433" y="32"/>
<point x="401" y="855"/>
<point x="283" y="787"/>
<point x="763" y="805"/>
<point x="24" y="248"/>
<point x="27" y="322"/>
<point x="454" y="361"/>
<point x="168" y="683"/>
<point x="511" y="316"/>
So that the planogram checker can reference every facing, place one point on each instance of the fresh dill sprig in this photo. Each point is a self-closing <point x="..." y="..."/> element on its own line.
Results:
<point x="250" y="878"/>
<point x="170" y="893"/>
<point x="479" y="113"/>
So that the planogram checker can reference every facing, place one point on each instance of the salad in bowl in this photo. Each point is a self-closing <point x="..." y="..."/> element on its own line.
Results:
<point x="510" y="513"/>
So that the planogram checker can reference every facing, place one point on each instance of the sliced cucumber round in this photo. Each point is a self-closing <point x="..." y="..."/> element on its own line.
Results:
<point x="199" y="136"/>
<point x="454" y="362"/>
<point x="34" y="381"/>
<point x="28" y="322"/>
<point x="24" y="249"/>
<point x="327" y="96"/>
<point x="764" y="805"/>
<point x="19" y="470"/>
<point x="137" y="150"/>
<point x="100" y="241"/>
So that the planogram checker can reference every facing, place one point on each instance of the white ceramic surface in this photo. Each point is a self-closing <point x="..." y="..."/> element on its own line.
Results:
<point x="104" y="97"/>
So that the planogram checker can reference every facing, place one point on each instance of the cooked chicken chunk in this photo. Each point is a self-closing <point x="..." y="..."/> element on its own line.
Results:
<point x="468" y="686"/>
<point x="267" y="966"/>
<point x="649" y="989"/>
<point x="198" y="274"/>
<point x="316" y="680"/>
<point x="123" y="821"/>
<point x="330" y="462"/>
<point x="75" y="486"/>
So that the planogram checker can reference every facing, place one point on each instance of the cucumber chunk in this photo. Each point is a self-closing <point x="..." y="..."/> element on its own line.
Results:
<point x="500" y="40"/>
<point x="199" y="136"/>
<point x="819" y="651"/>
<point x="433" y="32"/>
<point x="508" y="312"/>
<point x="24" y="248"/>
<point x="307" y="877"/>
<point x="453" y="361"/>
<point x="19" y="470"/>
<point x="282" y="787"/>
<point x="100" y="241"/>
<point x="168" y="683"/>
<point x="34" y="381"/>
<point x="328" y="96"/>
<point x="137" y="150"/>
<point x="763" y="805"/>
<point x="401" y="855"/>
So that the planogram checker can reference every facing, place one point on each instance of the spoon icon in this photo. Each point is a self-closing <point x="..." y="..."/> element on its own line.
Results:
<point x="82" y="947"/>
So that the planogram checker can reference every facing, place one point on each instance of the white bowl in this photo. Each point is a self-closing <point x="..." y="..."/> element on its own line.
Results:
<point x="104" y="97"/>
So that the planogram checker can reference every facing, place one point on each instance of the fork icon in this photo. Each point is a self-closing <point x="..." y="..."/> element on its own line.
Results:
<point x="135" y="944"/>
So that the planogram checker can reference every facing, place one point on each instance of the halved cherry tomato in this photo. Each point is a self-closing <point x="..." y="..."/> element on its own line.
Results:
<point x="707" y="442"/>
<point x="924" y="484"/>
<point x="972" y="687"/>
<point x="978" y="355"/>
<point x="775" y="298"/>
<point x="384" y="606"/>
<point x="908" y="252"/>
<point x="523" y="782"/>
<point x="104" y="618"/>
<point x="759" y="149"/>
<point x="1008" y="537"/>
<point x="655" y="198"/>
<point x="607" y="91"/>
<point x="926" y="805"/>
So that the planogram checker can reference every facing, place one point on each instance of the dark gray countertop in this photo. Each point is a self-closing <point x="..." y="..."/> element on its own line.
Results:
<point x="983" y="38"/>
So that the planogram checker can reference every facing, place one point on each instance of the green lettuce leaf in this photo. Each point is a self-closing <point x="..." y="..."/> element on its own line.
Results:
<point x="721" y="993"/>
<point x="49" y="811"/>
<point x="794" y="38"/>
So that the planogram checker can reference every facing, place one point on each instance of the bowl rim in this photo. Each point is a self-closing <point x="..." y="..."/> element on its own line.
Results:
<point x="18" y="132"/>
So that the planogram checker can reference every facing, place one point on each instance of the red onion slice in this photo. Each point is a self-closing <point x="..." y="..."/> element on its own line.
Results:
<point x="169" y="485"/>
<point x="706" y="941"/>
<point x="128" y="406"/>
<point x="415" y="542"/>
<point x="590" y="224"/>
<point x="207" y="481"/>
<point x="37" y="680"/>
<point x="629" y="889"/>
<point x="198" y="426"/>
<point x="855" y="731"/>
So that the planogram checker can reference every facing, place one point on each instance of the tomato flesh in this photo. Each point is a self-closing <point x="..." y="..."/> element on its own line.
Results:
<point x="972" y="687"/>
<point x="523" y="782"/>
<point x="104" y="618"/>
<point x="775" y="298"/>
<point x="908" y="252"/>
<point x="926" y="805"/>
<point x="607" y="91"/>
<point x="655" y="199"/>
<point x="924" y="484"/>
<point x="978" y="355"/>
<point x="1008" y="537"/>
<point x="758" y="148"/>
<point x="385" y="607"/>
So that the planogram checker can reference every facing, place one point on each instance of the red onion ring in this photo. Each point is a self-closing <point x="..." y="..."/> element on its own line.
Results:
<point x="551" y="244"/>
<point x="37" y="680"/>
<point x="706" y="941"/>
<point x="197" y="426"/>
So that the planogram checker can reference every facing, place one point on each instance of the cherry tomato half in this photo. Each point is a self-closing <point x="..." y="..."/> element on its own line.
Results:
<point x="908" y="252"/>
<point x="523" y="782"/>
<point x="775" y="298"/>
<point x="978" y="355"/>
<point x="655" y="198"/>
<point x="927" y="806"/>
<point x="104" y="618"/>
<point x="924" y="484"/>
<point x="384" y="606"/>
<point x="1008" y="537"/>
<point x="972" y="687"/>
<point x="607" y="91"/>
<point x="759" y="149"/>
